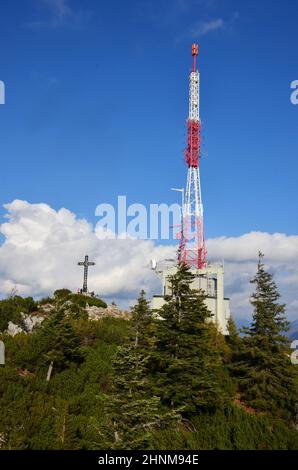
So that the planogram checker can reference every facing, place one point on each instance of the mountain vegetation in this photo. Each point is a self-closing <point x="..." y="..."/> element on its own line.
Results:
<point x="166" y="381"/>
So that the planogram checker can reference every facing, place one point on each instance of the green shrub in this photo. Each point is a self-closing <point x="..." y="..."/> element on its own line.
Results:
<point x="83" y="300"/>
<point x="11" y="309"/>
<point x="62" y="293"/>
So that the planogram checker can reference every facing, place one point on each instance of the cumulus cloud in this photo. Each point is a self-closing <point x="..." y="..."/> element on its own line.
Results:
<point x="240" y="258"/>
<point x="42" y="246"/>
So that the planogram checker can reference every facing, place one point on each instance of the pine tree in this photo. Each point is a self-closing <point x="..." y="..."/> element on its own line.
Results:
<point x="233" y="338"/>
<point x="268" y="380"/>
<point x="60" y="341"/>
<point x="142" y="325"/>
<point x="134" y="412"/>
<point x="189" y="373"/>
<point x="235" y="345"/>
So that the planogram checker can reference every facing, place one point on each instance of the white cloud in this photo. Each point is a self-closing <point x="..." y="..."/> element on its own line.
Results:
<point x="204" y="27"/>
<point x="278" y="247"/>
<point x="42" y="247"/>
<point x="240" y="257"/>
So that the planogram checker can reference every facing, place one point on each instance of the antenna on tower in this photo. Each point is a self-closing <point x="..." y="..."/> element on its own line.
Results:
<point x="195" y="53"/>
<point x="192" y="250"/>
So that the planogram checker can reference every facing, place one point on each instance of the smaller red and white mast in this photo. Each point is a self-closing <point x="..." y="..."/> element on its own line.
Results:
<point x="192" y="250"/>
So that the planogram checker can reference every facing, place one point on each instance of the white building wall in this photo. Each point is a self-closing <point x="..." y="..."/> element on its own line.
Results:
<point x="210" y="280"/>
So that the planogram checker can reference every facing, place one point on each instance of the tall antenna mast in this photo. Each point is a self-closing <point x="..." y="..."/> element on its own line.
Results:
<point x="192" y="250"/>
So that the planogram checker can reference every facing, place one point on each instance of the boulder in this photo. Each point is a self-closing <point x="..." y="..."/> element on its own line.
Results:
<point x="14" y="329"/>
<point x="96" y="313"/>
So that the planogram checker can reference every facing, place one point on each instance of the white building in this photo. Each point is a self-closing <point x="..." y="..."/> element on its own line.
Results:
<point x="210" y="280"/>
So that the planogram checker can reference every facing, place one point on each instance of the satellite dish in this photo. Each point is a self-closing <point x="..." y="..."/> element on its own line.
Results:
<point x="153" y="264"/>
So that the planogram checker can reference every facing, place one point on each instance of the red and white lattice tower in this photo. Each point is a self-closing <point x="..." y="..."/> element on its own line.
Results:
<point x="192" y="250"/>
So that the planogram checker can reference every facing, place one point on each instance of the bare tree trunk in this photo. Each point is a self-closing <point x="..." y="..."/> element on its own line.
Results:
<point x="50" y="370"/>
<point x="63" y="429"/>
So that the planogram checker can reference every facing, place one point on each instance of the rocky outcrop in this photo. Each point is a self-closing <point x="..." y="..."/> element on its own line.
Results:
<point x="96" y="313"/>
<point x="46" y="308"/>
<point x="13" y="329"/>
<point x="30" y="322"/>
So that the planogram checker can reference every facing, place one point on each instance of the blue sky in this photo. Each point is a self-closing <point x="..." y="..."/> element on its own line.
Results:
<point x="96" y="107"/>
<point x="96" y="102"/>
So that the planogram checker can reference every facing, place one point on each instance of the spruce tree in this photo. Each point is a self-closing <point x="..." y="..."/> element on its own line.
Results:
<point x="235" y="346"/>
<point x="134" y="412"/>
<point x="142" y="324"/>
<point x="268" y="380"/>
<point x="60" y="341"/>
<point x="189" y="373"/>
